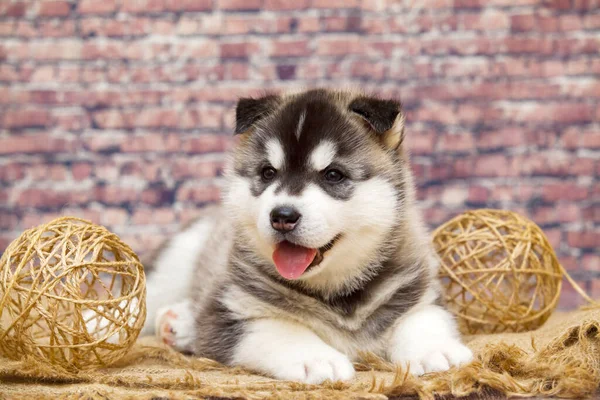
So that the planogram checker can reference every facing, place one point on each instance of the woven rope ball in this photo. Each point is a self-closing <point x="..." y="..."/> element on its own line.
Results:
<point x="499" y="272"/>
<point x="71" y="294"/>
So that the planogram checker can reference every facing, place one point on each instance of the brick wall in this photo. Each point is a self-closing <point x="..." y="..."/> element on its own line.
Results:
<point x="120" y="110"/>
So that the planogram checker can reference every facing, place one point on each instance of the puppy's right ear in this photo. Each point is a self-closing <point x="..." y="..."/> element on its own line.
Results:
<point x="248" y="111"/>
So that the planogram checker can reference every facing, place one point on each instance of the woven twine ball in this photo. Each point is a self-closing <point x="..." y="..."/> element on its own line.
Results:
<point x="71" y="294"/>
<point x="498" y="270"/>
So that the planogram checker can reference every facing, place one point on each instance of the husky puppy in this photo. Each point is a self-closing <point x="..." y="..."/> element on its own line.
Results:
<point x="317" y="254"/>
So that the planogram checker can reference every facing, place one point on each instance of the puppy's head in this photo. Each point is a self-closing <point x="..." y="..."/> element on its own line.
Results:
<point x="316" y="182"/>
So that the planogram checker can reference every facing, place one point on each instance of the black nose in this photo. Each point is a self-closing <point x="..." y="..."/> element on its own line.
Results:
<point x="284" y="218"/>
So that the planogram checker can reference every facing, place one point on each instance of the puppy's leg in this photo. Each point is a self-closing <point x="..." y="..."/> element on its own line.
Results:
<point x="427" y="340"/>
<point x="290" y="351"/>
<point x="175" y="325"/>
<point x="172" y="269"/>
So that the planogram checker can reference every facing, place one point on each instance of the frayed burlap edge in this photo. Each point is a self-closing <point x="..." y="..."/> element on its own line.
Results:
<point x="560" y="359"/>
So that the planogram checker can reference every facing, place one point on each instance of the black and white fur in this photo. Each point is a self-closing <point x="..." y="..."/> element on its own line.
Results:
<point x="213" y="289"/>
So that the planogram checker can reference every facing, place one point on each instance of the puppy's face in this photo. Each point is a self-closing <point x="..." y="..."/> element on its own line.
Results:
<point x="314" y="180"/>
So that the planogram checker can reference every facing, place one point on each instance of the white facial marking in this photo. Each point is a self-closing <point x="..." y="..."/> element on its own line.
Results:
<point x="300" y="123"/>
<point x="323" y="155"/>
<point x="275" y="153"/>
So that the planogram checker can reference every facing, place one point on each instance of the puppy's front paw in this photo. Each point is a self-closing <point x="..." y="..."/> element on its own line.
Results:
<point x="175" y="326"/>
<point x="433" y="355"/>
<point x="317" y="368"/>
<point x="427" y="340"/>
<point x="290" y="351"/>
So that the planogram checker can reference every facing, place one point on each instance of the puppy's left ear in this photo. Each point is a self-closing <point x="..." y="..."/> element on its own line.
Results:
<point x="385" y="117"/>
<point x="249" y="111"/>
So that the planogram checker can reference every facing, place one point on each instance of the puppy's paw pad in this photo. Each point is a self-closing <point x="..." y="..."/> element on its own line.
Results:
<point x="175" y="327"/>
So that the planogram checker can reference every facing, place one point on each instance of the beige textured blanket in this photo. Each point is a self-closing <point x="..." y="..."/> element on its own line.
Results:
<point x="562" y="358"/>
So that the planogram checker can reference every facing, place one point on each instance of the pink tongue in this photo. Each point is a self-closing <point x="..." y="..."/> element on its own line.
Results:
<point x="292" y="260"/>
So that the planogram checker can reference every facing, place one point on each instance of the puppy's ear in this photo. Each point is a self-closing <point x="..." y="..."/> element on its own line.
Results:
<point x="248" y="111"/>
<point x="385" y="117"/>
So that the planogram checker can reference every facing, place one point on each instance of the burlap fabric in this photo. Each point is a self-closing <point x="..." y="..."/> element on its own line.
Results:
<point x="562" y="358"/>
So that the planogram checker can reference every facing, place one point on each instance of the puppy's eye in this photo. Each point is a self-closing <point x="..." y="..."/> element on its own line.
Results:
<point x="334" y="176"/>
<point x="268" y="173"/>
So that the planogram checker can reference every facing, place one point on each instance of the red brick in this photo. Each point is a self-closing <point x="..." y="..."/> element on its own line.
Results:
<point x="335" y="3"/>
<point x="151" y="143"/>
<point x="569" y="213"/>
<point x="333" y="47"/>
<point x="151" y="118"/>
<point x="11" y="172"/>
<point x="81" y="171"/>
<point x="526" y="22"/>
<point x="64" y="50"/>
<point x="97" y="6"/>
<point x="582" y="166"/>
<point x="57" y="29"/>
<point x="146" y="216"/>
<point x="531" y="45"/>
<point x="113" y="217"/>
<point x="368" y="70"/>
<point x="591" y="21"/>
<point x="143" y="6"/>
<point x="478" y="195"/>
<point x="54" y="8"/>
<point x="564" y="191"/>
<point x="183" y="169"/>
<point x="584" y="239"/>
<point x="420" y="142"/>
<point x="554" y="237"/>
<point x="239" y="5"/>
<point x="488" y="20"/>
<point x="281" y="5"/>
<point x="109" y="119"/>
<point x="189" y="5"/>
<point x="341" y="23"/>
<point x="7" y="28"/>
<point x="437" y="112"/>
<point x="592" y="213"/>
<point x="290" y="48"/>
<point x="570" y="23"/>
<point x="558" y="4"/>
<point x="551" y="112"/>
<point x="237" y="71"/>
<point x="198" y="193"/>
<point x="491" y="165"/>
<point x="25" y="118"/>
<point x="576" y="46"/>
<point x="585" y="4"/>
<point x="463" y="142"/>
<point x="8" y="220"/>
<point x="47" y="172"/>
<point x="591" y="262"/>
<point x="308" y="24"/>
<point x="237" y="50"/>
<point x="71" y="120"/>
<point x="35" y="143"/>
<point x="375" y="24"/>
<point x="52" y="198"/>
<point x="13" y="9"/>
<point x="113" y="195"/>
<point x="500" y="139"/>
